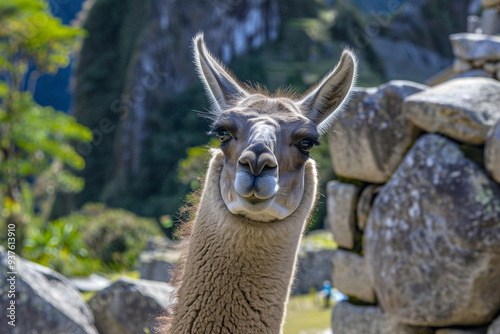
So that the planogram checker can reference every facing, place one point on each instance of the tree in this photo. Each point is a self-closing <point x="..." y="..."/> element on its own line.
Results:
<point x="36" y="142"/>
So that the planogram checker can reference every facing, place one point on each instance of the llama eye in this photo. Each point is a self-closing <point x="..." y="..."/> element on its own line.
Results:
<point x="223" y="135"/>
<point x="306" y="145"/>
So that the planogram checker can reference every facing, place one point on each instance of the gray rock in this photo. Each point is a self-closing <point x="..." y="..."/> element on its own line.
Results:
<point x="130" y="306"/>
<point x="490" y="67"/>
<point x="494" y="327"/>
<point x="490" y="21"/>
<point x="481" y="330"/>
<point x="474" y="21"/>
<point x="479" y="62"/>
<point x="341" y="207"/>
<point x="369" y="140"/>
<point x="432" y="241"/>
<point x="460" y="65"/>
<point x="365" y="204"/>
<point x="492" y="152"/>
<point x="350" y="276"/>
<point x="157" y="265"/>
<point x="464" y="109"/>
<point x="351" y="319"/>
<point x="315" y="267"/>
<point x="475" y="46"/>
<point x="45" y="301"/>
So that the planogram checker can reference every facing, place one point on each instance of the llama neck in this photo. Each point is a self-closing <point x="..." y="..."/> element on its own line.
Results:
<point x="238" y="272"/>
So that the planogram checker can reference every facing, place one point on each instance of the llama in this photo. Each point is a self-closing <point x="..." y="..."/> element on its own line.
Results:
<point x="259" y="191"/>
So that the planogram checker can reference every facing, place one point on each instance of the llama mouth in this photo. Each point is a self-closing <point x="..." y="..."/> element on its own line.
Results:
<point x="255" y="200"/>
<point x="264" y="210"/>
<point x="244" y="205"/>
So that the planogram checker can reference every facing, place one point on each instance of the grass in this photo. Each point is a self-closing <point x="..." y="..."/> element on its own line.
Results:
<point x="306" y="315"/>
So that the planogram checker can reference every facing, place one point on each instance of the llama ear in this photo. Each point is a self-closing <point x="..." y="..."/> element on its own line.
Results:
<point x="324" y="103"/>
<point x="221" y="88"/>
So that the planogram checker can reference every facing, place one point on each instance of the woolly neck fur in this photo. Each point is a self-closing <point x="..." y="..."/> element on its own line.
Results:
<point x="238" y="272"/>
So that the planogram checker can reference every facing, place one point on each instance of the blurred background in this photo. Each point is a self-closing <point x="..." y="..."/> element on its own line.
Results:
<point x="100" y="142"/>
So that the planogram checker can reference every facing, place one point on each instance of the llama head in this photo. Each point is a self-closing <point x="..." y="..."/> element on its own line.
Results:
<point x="266" y="139"/>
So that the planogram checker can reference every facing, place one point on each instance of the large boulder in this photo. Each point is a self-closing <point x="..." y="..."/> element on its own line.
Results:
<point x="350" y="276"/>
<point x="351" y="319"/>
<point x="492" y="152"/>
<point x="432" y="241"/>
<point x="472" y="47"/>
<point x="369" y="140"/>
<point x="341" y="208"/>
<point x="130" y="306"/>
<point x="45" y="302"/>
<point x="464" y="109"/>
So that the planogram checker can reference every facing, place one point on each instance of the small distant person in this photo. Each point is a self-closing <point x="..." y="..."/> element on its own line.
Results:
<point x="327" y="292"/>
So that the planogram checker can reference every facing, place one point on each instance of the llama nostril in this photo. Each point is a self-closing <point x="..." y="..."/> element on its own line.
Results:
<point x="247" y="158"/>
<point x="267" y="160"/>
<point x="258" y="158"/>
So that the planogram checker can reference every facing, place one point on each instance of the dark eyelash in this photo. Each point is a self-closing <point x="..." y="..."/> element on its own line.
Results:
<point x="314" y="141"/>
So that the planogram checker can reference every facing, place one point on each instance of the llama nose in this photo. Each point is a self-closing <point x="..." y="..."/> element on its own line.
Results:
<point x="258" y="157"/>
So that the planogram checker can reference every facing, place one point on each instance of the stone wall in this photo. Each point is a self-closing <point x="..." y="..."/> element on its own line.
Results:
<point x="417" y="210"/>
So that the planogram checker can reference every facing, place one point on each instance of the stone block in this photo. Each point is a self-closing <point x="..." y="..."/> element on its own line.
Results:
<point x="370" y="138"/>
<point x="350" y="276"/>
<point x="341" y="207"/>
<point x="432" y="241"/>
<point x="464" y="109"/>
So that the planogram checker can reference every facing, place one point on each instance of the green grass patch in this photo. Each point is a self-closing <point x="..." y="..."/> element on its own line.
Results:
<point x="306" y="315"/>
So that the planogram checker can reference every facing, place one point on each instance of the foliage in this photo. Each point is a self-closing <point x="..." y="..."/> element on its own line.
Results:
<point x="30" y="35"/>
<point x="192" y="167"/>
<point x="93" y="239"/>
<point x="60" y="247"/>
<point x="320" y="239"/>
<point x="36" y="142"/>
<point x="113" y="236"/>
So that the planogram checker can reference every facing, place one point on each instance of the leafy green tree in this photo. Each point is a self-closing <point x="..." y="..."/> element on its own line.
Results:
<point x="36" y="142"/>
